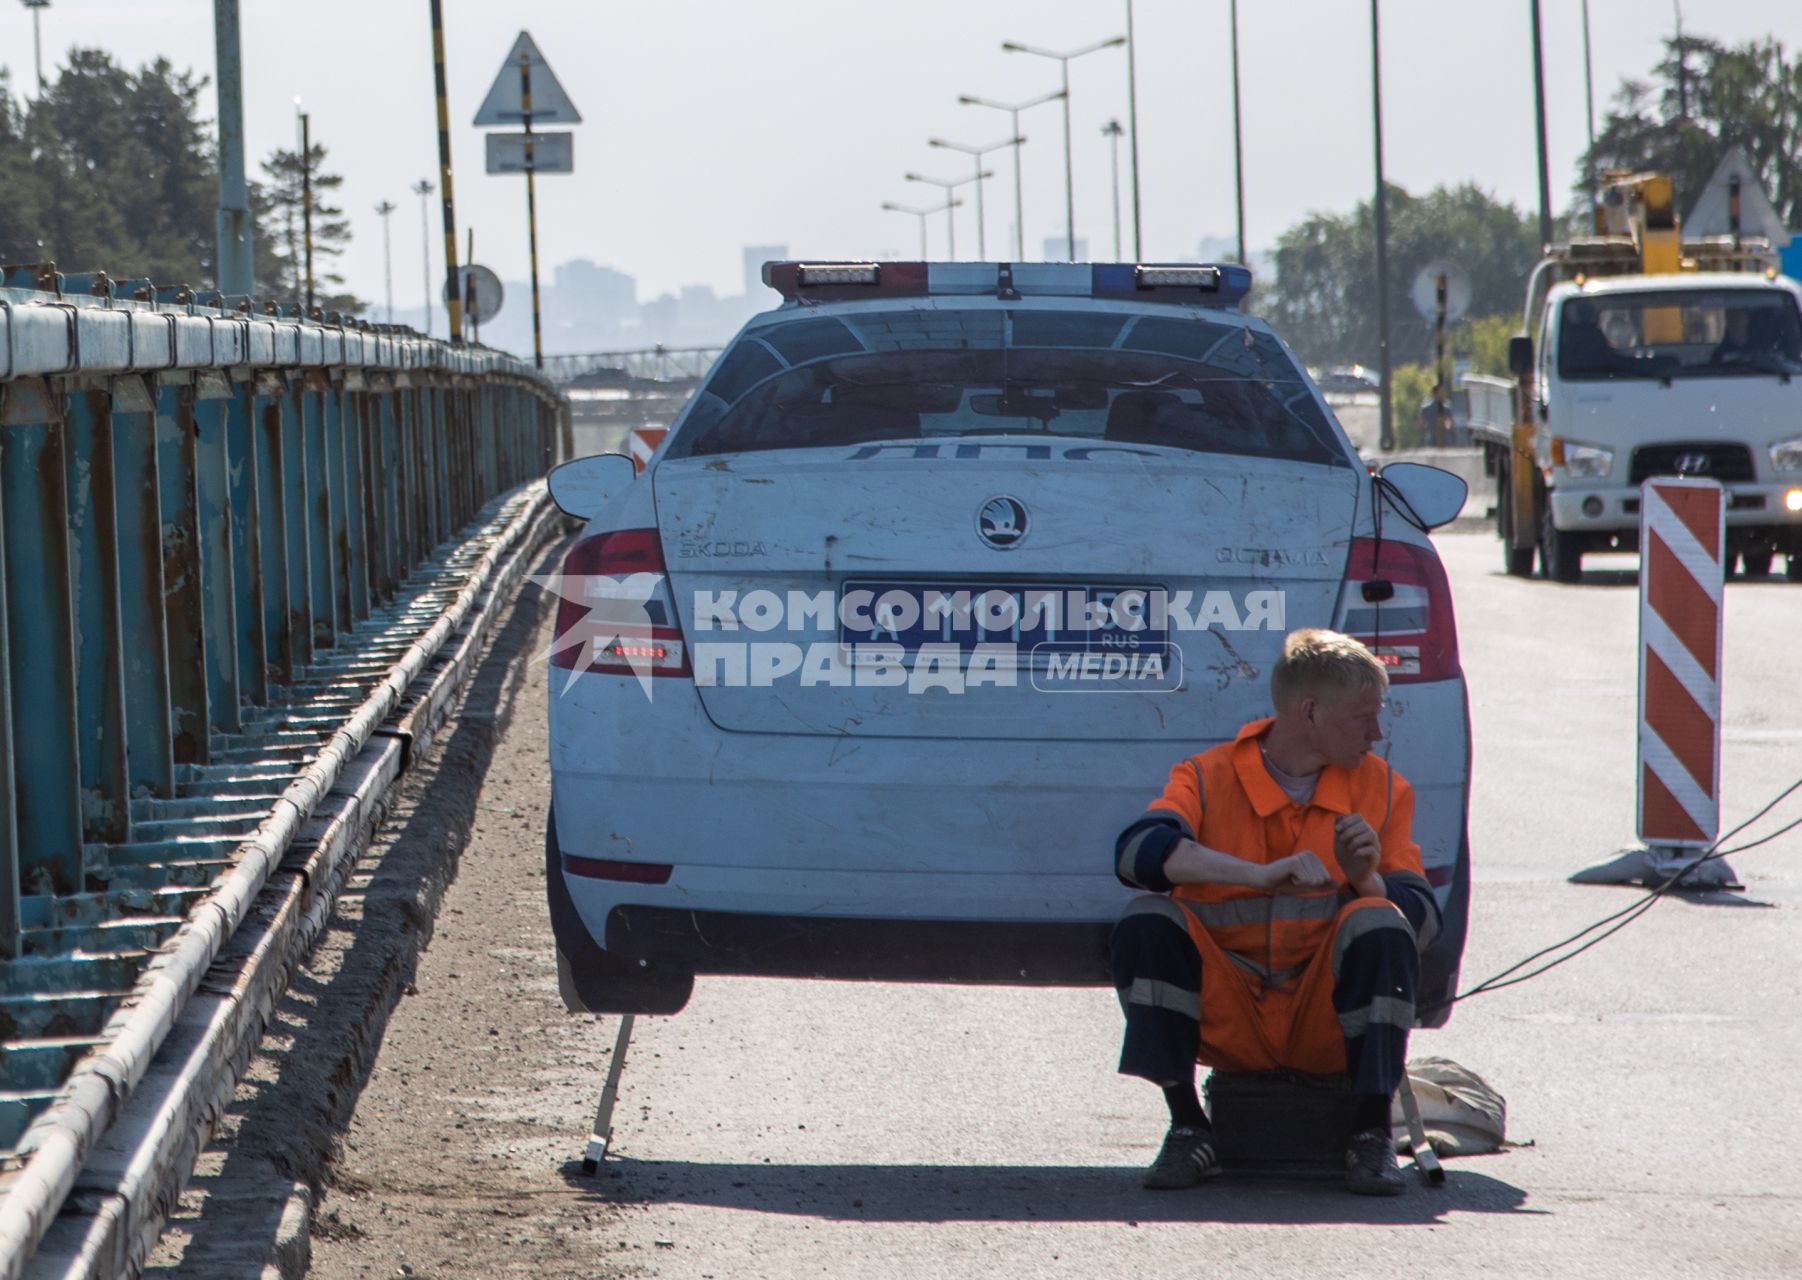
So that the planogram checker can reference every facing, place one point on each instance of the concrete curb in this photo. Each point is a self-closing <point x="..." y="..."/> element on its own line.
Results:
<point x="290" y="1250"/>
<point x="259" y="1218"/>
<point x="189" y="1088"/>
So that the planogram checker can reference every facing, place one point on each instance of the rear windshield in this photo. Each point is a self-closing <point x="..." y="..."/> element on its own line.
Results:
<point x="1171" y="381"/>
<point x="1679" y="333"/>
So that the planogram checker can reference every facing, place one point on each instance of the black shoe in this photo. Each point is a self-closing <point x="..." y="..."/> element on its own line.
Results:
<point x="1186" y="1159"/>
<point x="1370" y="1167"/>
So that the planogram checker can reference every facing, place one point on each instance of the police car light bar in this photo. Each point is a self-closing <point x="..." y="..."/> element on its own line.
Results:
<point x="1179" y="277"/>
<point x="841" y="281"/>
<point x="1192" y="283"/>
<point x="811" y="274"/>
<point x="1212" y="284"/>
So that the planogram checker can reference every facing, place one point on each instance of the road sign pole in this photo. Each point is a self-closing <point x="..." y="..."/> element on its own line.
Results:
<point x="1441" y="393"/>
<point x="471" y="303"/>
<point x="525" y="102"/>
<point x="452" y="292"/>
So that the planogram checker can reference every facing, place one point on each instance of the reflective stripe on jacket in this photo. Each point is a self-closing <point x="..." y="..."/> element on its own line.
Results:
<point x="1269" y="961"/>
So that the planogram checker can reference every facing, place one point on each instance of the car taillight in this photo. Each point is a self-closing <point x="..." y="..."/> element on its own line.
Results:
<point x="1398" y="602"/>
<point x="617" y="615"/>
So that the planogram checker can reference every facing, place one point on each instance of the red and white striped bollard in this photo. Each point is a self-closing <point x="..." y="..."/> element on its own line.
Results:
<point x="1682" y="572"/>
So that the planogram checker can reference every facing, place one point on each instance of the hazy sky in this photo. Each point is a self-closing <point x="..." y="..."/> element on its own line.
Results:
<point x="713" y="124"/>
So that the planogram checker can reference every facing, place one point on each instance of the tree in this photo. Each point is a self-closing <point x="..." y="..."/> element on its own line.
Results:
<point x="1323" y="293"/>
<point x="1702" y="99"/>
<point x="278" y="208"/>
<point x="20" y="191"/>
<point x="116" y="173"/>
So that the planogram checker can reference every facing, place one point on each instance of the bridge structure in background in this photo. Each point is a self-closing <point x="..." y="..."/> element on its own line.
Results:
<point x="664" y="366"/>
<point x="247" y="556"/>
<point x="622" y="401"/>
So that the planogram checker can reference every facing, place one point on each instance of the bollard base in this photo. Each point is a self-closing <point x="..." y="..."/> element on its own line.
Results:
<point x="1651" y="867"/>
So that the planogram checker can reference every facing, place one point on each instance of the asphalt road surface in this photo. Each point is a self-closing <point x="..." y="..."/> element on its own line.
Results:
<point x="782" y="1129"/>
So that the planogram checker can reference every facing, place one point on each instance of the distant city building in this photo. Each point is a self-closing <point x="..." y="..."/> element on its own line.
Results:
<point x="1057" y="249"/>
<point x="592" y="308"/>
<point x="755" y="256"/>
<point x="592" y="296"/>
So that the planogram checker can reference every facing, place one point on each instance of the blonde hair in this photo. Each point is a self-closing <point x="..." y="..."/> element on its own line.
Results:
<point x="1316" y="661"/>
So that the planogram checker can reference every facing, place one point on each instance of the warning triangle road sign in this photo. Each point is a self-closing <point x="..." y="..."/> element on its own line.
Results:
<point x="1714" y="213"/>
<point x="504" y="104"/>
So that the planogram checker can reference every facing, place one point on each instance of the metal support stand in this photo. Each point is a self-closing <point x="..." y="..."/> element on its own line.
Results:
<point x="1652" y="866"/>
<point x="602" y="1136"/>
<point x="1426" y="1160"/>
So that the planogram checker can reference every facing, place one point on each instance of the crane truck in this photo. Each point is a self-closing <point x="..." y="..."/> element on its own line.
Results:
<point x="1646" y="354"/>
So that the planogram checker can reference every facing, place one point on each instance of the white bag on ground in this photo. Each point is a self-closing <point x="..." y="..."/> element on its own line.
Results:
<point x="1463" y="1115"/>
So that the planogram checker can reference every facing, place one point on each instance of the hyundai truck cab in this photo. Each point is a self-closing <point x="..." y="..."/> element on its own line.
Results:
<point x="1694" y="375"/>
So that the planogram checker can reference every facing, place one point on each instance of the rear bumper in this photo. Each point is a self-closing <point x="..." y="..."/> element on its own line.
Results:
<point x="897" y="859"/>
<point x="1000" y="952"/>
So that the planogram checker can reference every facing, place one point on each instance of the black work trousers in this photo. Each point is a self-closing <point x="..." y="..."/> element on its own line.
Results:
<point x="1157" y="973"/>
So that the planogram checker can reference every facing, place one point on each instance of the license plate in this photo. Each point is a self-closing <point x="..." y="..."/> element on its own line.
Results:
<point x="1021" y="624"/>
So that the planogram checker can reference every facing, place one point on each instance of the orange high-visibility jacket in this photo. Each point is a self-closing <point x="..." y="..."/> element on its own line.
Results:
<point x="1269" y="961"/>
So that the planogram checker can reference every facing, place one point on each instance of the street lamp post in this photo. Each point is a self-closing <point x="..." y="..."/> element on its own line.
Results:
<point x="1386" y="427"/>
<point x="948" y="187"/>
<point x="1589" y="113"/>
<point x="385" y="208"/>
<point x="37" y="42"/>
<point x="234" y="270"/>
<point x="1545" y="183"/>
<point x="977" y="153"/>
<point x="1238" y="136"/>
<point x="1063" y="61"/>
<point x="922" y="215"/>
<point x="423" y="188"/>
<point x="1013" y="110"/>
<point x="306" y="198"/>
<point x="1112" y="131"/>
<point x="1132" y="121"/>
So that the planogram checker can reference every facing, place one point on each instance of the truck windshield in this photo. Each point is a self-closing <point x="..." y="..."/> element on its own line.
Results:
<point x="933" y="374"/>
<point x="1680" y="333"/>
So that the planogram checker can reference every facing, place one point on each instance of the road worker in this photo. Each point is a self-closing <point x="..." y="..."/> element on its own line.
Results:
<point x="1285" y="914"/>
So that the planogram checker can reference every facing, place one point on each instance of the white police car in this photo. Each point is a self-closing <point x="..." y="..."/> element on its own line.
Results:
<point x="935" y="576"/>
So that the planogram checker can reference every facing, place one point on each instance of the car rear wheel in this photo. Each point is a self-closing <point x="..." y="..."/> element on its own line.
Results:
<point x="1793" y="567"/>
<point x="1560" y="554"/>
<point x="602" y="982"/>
<point x="1756" y="564"/>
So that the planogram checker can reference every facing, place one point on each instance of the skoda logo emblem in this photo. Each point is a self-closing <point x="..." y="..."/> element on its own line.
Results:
<point x="1001" y="522"/>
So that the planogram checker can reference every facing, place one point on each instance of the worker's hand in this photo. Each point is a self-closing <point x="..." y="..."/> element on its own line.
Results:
<point x="1356" y="847"/>
<point x="1298" y="873"/>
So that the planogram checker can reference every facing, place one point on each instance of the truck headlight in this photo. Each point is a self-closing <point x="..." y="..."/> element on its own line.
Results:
<point x="1582" y="459"/>
<point x="1786" y="455"/>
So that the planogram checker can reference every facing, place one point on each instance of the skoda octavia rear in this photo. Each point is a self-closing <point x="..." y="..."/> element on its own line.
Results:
<point x="935" y="576"/>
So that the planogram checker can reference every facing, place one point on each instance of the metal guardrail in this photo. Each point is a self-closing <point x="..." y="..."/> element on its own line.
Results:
<point x="215" y="525"/>
<point x="652" y="364"/>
